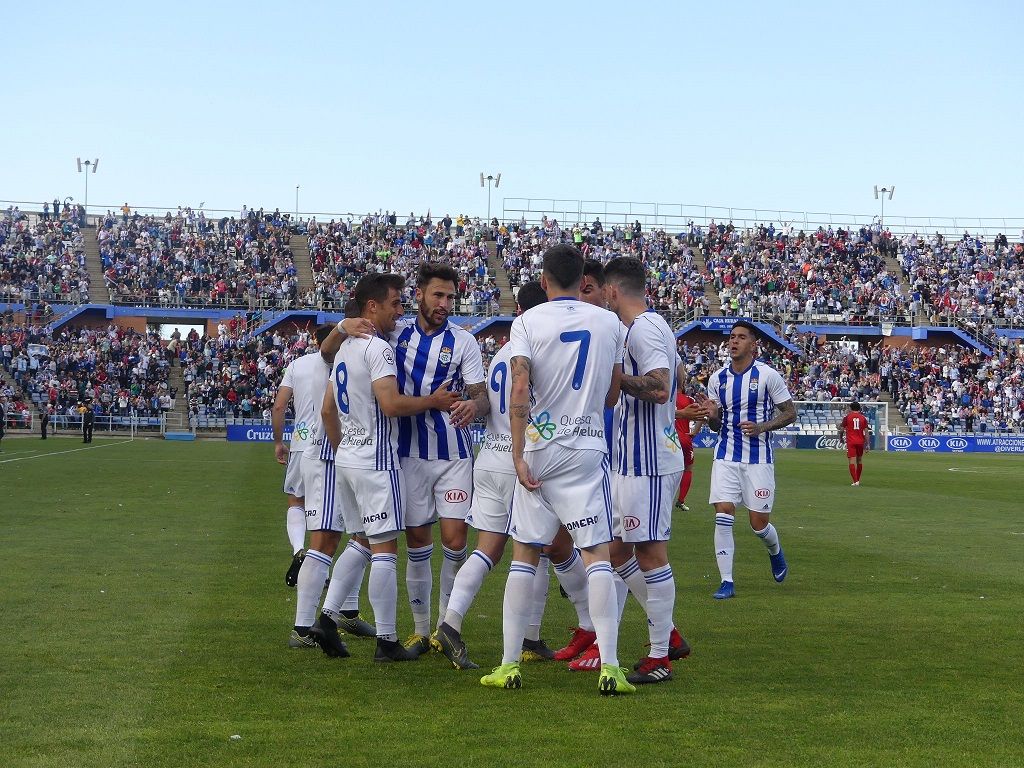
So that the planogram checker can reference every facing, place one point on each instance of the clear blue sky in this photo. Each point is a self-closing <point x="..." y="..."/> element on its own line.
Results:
<point x="800" y="106"/>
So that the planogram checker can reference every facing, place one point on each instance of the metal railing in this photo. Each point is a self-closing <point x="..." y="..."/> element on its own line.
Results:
<point x="676" y="217"/>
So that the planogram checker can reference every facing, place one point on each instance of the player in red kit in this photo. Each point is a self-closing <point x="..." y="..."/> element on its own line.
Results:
<point x="855" y="428"/>
<point x="686" y="409"/>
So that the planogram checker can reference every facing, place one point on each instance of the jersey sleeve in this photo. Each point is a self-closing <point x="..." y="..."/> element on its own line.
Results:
<point x="776" y="387"/>
<point x="845" y="423"/>
<point x="288" y="380"/>
<point x="519" y="339"/>
<point x="472" y="362"/>
<point x="380" y="359"/>
<point x="712" y="388"/>
<point x="647" y="347"/>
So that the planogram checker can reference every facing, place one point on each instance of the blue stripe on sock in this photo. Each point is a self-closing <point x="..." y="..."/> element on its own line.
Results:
<point x="485" y="558"/>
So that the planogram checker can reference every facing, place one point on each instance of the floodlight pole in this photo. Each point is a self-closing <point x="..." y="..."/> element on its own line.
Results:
<point x="90" y="165"/>
<point x="296" y="203"/>
<point x="884" y="191"/>
<point x="490" y="180"/>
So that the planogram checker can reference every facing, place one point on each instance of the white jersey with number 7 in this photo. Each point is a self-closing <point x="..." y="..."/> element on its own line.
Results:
<point x="573" y="347"/>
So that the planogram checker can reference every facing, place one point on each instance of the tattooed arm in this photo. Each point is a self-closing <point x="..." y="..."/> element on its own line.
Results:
<point x="652" y="386"/>
<point x="519" y="417"/>
<point x="787" y="415"/>
<point x="464" y="411"/>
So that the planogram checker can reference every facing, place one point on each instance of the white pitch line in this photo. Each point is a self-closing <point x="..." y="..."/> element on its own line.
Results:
<point x="58" y="453"/>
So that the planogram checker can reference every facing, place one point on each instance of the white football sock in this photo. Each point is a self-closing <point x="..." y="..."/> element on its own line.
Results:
<point x="453" y="558"/>
<point x="601" y="590"/>
<point x="383" y="590"/>
<point x="296" y="524"/>
<point x="573" y="577"/>
<point x="346" y="577"/>
<point x="418" y="582"/>
<point x="516" y="609"/>
<point x="630" y="573"/>
<point x="540" y="598"/>
<point x="309" y="585"/>
<point x="359" y="557"/>
<point x="661" y="600"/>
<point x="467" y="583"/>
<point x="770" y="537"/>
<point x="621" y="595"/>
<point x="724" y="545"/>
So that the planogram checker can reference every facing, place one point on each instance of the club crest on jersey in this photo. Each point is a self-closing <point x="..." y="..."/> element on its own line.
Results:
<point x="445" y="355"/>
<point x="753" y="385"/>
<point x="541" y="427"/>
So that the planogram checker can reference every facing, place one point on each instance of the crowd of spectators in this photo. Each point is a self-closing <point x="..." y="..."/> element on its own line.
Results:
<point x="234" y="374"/>
<point x="113" y="371"/>
<point x="674" y="281"/>
<point x="187" y="259"/>
<point x="969" y="278"/>
<point x="341" y="251"/>
<point x="786" y="274"/>
<point x="42" y="261"/>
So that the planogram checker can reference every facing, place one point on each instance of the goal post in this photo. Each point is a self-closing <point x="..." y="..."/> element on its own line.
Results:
<point x="816" y="417"/>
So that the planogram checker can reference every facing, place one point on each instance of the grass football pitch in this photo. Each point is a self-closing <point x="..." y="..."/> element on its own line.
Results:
<point x="145" y="620"/>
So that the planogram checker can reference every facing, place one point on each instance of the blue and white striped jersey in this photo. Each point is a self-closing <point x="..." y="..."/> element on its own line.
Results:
<point x="749" y="395"/>
<point x="573" y="348"/>
<point x="368" y="437"/>
<point x="450" y="359"/>
<point x="496" y="452"/>
<point x="646" y="441"/>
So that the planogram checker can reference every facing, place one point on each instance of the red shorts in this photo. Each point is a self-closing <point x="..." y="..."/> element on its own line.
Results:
<point x="687" y="445"/>
<point x="855" y="450"/>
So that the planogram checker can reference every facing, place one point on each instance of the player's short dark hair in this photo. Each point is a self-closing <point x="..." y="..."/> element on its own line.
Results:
<point x="530" y="295"/>
<point x="754" y="331"/>
<point x="628" y="273"/>
<point x="375" y="287"/>
<point x="563" y="264"/>
<point x="322" y="332"/>
<point x="351" y="308"/>
<point x="595" y="269"/>
<point x="854" y="406"/>
<point x="430" y="270"/>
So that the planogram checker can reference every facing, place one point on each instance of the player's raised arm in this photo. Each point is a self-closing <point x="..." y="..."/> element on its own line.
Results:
<point x="281" y="400"/>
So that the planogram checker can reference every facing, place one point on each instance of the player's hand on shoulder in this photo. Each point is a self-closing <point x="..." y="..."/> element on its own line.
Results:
<point x="526" y="478"/>
<point x="358" y="327"/>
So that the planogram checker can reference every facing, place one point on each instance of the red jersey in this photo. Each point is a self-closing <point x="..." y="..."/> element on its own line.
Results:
<point x="683" y="425"/>
<point x="856" y="425"/>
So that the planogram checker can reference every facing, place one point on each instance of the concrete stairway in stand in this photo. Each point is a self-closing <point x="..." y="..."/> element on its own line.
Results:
<point x="97" y="289"/>
<point x="303" y="269"/>
<point x="507" y="305"/>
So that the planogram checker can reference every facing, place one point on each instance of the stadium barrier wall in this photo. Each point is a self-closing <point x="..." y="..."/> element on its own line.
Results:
<point x="956" y="443"/>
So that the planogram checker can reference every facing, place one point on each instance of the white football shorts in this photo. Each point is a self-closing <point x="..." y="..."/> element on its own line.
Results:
<point x="293" y="475"/>
<point x="642" y="506"/>
<point x="439" y="488"/>
<point x="320" y="484"/>
<point x="575" y="492"/>
<point x="373" y="502"/>
<point x="492" y="501"/>
<point x="752" y="485"/>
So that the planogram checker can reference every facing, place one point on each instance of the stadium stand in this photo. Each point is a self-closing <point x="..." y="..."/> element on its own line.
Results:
<point x="187" y="260"/>
<point x="42" y="261"/>
<point x="342" y="251"/>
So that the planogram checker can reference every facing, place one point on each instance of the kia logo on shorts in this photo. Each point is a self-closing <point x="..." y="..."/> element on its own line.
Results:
<point x="455" y="496"/>
<point x="630" y="523"/>
<point x="928" y="442"/>
<point x="956" y="443"/>
<point x="762" y="493"/>
<point x="900" y="442"/>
